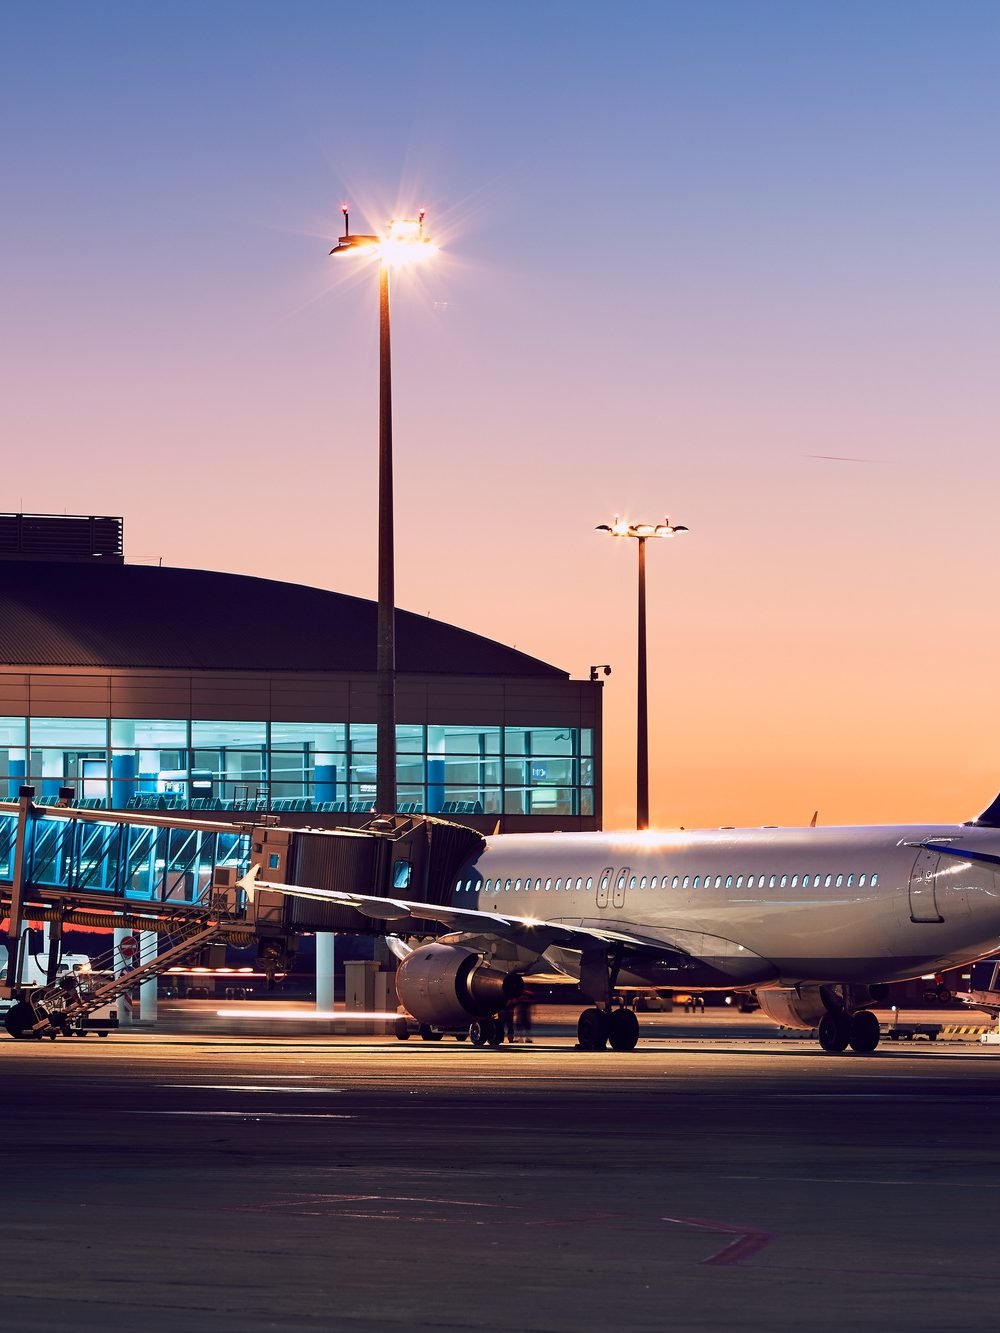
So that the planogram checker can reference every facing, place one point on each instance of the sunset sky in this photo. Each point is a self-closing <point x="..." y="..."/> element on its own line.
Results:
<point x="731" y="263"/>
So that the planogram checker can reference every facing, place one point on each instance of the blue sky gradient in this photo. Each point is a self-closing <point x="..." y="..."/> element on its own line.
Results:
<point x="686" y="249"/>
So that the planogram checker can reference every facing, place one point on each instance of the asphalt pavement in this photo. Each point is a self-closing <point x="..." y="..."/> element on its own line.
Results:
<point x="194" y="1182"/>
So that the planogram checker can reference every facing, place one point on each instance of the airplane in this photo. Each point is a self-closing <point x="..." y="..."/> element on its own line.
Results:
<point x="817" y="921"/>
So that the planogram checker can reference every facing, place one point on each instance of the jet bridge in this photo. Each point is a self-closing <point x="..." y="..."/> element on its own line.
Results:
<point x="409" y="856"/>
<point x="175" y="881"/>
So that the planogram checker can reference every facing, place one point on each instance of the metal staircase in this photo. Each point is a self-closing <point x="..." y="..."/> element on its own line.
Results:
<point x="61" y="1006"/>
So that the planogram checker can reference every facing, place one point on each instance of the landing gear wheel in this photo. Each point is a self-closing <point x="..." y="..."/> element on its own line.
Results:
<point x="623" y="1030"/>
<point x="428" y="1033"/>
<point x="833" y="1033"/>
<point x="865" y="1032"/>
<point x="18" y="1019"/>
<point x="483" y="1032"/>
<point x="401" y="1028"/>
<point x="592" y="1030"/>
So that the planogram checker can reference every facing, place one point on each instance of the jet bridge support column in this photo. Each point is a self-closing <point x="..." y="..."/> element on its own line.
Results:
<point x="148" y="948"/>
<point x="325" y="958"/>
<point x="15" y="944"/>
<point x="51" y="950"/>
<point x="124" y="1001"/>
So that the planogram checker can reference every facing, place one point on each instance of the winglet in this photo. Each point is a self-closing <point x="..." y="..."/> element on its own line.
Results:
<point x="249" y="882"/>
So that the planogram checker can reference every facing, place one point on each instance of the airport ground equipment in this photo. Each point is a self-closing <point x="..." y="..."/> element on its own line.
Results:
<point x="64" y="1006"/>
<point x="913" y="1031"/>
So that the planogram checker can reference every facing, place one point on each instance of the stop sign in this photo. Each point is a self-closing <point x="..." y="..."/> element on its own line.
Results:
<point x="128" y="947"/>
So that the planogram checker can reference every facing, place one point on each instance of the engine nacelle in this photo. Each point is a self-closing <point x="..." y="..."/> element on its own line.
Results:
<point x="793" y="1007"/>
<point x="445" y="985"/>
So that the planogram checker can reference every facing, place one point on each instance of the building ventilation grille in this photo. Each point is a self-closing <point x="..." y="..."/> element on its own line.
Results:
<point x="73" y="537"/>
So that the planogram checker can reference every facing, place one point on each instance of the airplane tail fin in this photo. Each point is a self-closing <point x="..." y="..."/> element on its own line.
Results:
<point x="990" y="818"/>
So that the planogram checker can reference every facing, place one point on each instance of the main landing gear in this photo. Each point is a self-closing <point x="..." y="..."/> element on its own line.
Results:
<point x="486" y="1032"/>
<point x="842" y="1025"/>
<point x="598" y="1028"/>
<point x="604" y="1025"/>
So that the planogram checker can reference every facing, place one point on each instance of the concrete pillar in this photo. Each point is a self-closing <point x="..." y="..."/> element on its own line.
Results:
<point x="123" y="1002"/>
<point x="324" y="971"/>
<point x="147" y="991"/>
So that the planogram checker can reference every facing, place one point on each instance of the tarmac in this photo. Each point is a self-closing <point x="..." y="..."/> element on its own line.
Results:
<point x="200" y="1180"/>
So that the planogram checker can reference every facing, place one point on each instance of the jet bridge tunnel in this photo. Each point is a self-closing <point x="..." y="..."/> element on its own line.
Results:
<point x="177" y="878"/>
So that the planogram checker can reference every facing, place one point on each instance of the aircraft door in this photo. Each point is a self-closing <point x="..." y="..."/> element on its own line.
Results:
<point x="923" y="894"/>
<point x="620" y="885"/>
<point x="604" y="886"/>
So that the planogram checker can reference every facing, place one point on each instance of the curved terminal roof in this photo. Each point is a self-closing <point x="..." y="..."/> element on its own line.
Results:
<point x="67" y="614"/>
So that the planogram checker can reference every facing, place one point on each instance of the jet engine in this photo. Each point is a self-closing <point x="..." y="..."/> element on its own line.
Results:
<point x="445" y="985"/>
<point x="793" y="1006"/>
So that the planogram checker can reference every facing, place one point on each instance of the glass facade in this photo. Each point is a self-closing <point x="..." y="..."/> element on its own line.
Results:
<point x="151" y="763"/>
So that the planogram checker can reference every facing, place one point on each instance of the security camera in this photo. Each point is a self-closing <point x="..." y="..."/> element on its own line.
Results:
<point x="595" y="670"/>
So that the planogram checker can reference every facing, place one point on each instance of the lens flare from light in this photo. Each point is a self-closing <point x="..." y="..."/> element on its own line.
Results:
<point x="405" y="244"/>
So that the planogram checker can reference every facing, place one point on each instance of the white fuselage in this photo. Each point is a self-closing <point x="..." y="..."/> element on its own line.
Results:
<point x="758" y="907"/>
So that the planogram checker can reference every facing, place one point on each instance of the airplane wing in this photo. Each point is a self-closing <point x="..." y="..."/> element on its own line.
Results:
<point x="959" y="853"/>
<point x="537" y="934"/>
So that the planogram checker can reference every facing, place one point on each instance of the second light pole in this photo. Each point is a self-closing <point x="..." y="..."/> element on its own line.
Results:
<point x="641" y="532"/>
<point x="404" y="243"/>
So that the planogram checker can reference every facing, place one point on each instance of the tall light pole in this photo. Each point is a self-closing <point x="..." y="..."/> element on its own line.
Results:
<point x="641" y="532"/>
<point x="403" y="243"/>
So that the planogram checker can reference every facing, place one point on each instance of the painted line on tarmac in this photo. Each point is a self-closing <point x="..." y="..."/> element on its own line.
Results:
<point x="748" y="1240"/>
<point x="257" y="1115"/>
<point x="863" y="1180"/>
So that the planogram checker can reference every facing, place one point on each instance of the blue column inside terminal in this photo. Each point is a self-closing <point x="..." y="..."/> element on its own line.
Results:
<point x="435" y="785"/>
<point x="326" y="782"/>
<point x="123" y="787"/>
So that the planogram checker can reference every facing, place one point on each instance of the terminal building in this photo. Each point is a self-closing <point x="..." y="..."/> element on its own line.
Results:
<point x="149" y="688"/>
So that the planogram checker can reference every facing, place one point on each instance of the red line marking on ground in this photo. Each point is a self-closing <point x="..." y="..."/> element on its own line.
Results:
<point x="748" y="1241"/>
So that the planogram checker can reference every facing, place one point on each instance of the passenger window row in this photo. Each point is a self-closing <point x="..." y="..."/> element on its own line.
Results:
<point x="806" y="881"/>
